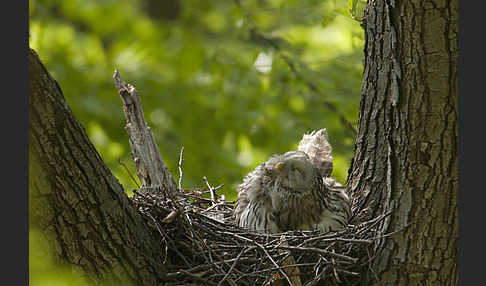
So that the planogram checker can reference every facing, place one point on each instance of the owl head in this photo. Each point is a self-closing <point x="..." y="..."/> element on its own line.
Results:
<point x="292" y="172"/>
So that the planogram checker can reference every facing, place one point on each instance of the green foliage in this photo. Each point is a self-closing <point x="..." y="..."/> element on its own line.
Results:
<point x="43" y="269"/>
<point x="199" y="85"/>
<point x="356" y="8"/>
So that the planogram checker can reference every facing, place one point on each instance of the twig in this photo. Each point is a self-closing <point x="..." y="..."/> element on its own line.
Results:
<point x="129" y="173"/>
<point x="320" y="251"/>
<point x="274" y="263"/>
<point x="334" y="271"/>
<point x="211" y="190"/>
<point x="180" y="168"/>
<point x="159" y="229"/>
<point x="347" y="272"/>
<point x="218" y="187"/>
<point x="214" y="206"/>
<point x="341" y="239"/>
<point x="233" y="265"/>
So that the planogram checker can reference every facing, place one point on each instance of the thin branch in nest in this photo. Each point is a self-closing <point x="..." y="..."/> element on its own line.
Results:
<point x="128" y="172"/>
<point x="318" y="277"/>
<point x="214" y="206"/>
<point x="233" y="265"/>
<point x="334" y="271"/>
<point x="180" y="168"/>
<point x="211" y="190"/>
<point x="218" y="187"/>
<point x="161" y="234"/>
<point x="320" y="251"/>
<point x="347" y="272"/>
<point x="321" y="239"/>
<point x="274" y="263"/>
<point x="164" y="236"/>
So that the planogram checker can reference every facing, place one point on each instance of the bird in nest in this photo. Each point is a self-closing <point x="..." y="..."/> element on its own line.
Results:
<point x="294" y="191"/>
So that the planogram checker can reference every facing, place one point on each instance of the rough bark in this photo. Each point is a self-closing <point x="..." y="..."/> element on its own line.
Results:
<point x="406" y="149"/>
<point x="151" y="169"/>
<point x="75" y="199"/>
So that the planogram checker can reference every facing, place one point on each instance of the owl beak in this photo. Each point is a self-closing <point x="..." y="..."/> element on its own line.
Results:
<point x="280" y="166"/>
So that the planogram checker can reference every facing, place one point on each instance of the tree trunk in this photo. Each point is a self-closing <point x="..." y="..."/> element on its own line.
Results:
<point x="406" y="158"/>
<point x="75" y="199"/>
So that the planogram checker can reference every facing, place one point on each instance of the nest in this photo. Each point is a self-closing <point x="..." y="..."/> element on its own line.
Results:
<point x="204" y="246"/>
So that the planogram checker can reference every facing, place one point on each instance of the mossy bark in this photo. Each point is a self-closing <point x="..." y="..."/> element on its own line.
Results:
<point x="406" y="158"/>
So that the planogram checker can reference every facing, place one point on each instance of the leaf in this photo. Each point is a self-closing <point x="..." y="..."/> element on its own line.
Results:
<point x="352" y="6"/>
<point x="326" y="20"/>
<point x="344" y="12"/>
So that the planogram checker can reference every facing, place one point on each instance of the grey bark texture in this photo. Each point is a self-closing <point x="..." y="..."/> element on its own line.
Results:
<point x="152" y="171"/>
<point x="406" y="158"/>
<point x="75" y="199"/>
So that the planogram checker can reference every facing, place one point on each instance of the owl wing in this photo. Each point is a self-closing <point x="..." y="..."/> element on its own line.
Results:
<point x="337" y="211"/>
<point x="253" y="206"/>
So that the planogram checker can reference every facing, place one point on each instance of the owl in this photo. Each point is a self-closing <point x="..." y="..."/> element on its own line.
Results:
<point x="289" y="192"/>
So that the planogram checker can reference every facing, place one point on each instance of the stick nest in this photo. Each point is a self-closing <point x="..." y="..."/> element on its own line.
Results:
<point x="204" y="246"/>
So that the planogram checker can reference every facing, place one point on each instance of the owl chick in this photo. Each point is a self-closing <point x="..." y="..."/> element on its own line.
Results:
<point x="287" y="192"/>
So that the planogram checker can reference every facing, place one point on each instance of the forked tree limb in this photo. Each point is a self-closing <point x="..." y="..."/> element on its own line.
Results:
<point x="151" y="170"/>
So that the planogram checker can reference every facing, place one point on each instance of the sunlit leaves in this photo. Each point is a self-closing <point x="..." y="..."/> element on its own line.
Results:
<point x="43" y="269"/>
<point x="207" y="83"/>
<point x="356" y="9"/>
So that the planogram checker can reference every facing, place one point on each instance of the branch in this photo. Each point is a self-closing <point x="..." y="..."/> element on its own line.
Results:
<point x="211" y="191"/>
<point x="151" y="169"/>
<point x="180" y="168"/>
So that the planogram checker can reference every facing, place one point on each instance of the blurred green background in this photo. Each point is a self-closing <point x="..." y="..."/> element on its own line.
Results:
<point x="232" y="81"/>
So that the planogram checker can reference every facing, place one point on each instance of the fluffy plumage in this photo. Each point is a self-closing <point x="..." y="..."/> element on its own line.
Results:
<point x="318" y="148"/>
<point x="288" y="192"/>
